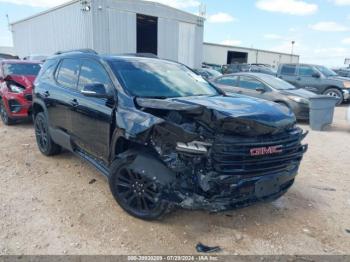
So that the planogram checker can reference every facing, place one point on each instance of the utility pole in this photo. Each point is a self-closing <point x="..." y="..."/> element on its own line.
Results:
<point x="293" y="43"/>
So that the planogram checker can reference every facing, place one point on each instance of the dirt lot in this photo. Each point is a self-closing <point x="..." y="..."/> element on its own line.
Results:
<point x="47" y="206"/>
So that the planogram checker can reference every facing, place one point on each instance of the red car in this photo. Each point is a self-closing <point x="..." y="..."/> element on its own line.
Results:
<point x="16" y="84"/>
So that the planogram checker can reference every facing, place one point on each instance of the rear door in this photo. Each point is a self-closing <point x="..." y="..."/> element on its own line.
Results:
<point x="60" y="95"/>
<point x="252" y="87"/>
<point x="93" y="116"/>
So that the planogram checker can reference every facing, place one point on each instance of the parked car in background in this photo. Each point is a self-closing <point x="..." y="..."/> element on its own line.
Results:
<point x="164" y="136"/>
<point x="317" y="79"/>
<point x="344" y="72"/>
<point x="207" y="73"/>
<point x="40" y="58"/>
<point x="16" y="82"/>
<point x="7" y="56"/>
<point x="236" y="68"/>
<point x="213" y="66"/>
<point x="268" y="88"/>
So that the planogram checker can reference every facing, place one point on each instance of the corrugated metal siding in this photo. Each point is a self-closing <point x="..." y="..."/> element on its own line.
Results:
<point x="63" y="29"/>
<point x="122" y="31"/>
<point x="187" y="41"/>
<point x="168" y="39"/>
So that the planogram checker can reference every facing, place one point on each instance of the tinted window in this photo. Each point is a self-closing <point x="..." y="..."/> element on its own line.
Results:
<point x="22" y="69"/>
<point x="306" y="71"/>
<point x="228" y="80"/>
<point x="288" y="70"/>
<point x="159" y="79"/>
<point x="46" y="72"/>
<point x="68" y="73"/>
<point x="93" y="73"/>
<point x="250" y="83"/>
<point x="276" y="83"/>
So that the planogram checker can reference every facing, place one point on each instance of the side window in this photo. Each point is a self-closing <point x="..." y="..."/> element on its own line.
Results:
<point x="93" y="73"/>
<point x="228" y="80"/>
<point x="68" y="73"/>
<point x="250" y="83"/>
<point x="47" y="70"/>
<point x="306" y="71"/>
<point x="289" y="70"/>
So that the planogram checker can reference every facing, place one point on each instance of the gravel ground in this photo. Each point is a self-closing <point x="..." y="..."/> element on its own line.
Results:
<point x="47" y="206"/>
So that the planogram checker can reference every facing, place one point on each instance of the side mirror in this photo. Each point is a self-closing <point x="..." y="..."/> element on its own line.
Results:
<point x="95" y="90"/>
<point x="260" y="90"/>
<point x="316" y="75"/>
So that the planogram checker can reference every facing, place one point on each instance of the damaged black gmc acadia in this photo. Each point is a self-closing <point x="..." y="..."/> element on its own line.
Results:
<point x="162" y="135"/>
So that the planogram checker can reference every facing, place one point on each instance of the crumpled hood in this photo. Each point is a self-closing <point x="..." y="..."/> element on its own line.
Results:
<point x="25" y="81"/>
<point x="230" y="114"/>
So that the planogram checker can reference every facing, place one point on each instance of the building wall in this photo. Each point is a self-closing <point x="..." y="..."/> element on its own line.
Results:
<point x="64" y="28"/>
<point x="7" y="50"/>
<point x="217" y="54"/>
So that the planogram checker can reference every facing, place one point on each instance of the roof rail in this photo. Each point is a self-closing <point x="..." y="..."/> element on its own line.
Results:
<point x="149" y="55"/>
<point x="86" y="51"/>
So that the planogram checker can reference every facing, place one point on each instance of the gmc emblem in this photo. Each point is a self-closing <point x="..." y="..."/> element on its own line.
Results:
<point x="262" y="151"/>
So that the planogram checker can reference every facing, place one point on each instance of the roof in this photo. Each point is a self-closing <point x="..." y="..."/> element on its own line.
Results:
<point x="249" y="49"/>
<point x="75" y="1"/>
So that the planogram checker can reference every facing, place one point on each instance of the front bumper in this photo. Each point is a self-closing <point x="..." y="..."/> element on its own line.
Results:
<point x="247" y="192"/>
<point x="19" y="105"/>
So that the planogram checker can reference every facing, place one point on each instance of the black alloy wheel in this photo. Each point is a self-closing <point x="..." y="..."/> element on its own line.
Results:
<point x="136" y="193"/>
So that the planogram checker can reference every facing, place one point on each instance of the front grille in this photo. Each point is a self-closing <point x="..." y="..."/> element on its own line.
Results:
<point x="231" y="155"/>
<point x="28" y="97"/>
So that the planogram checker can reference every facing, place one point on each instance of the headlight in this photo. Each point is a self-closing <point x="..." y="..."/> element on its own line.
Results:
<point x="346" y="84"/>
<point x="299" y="99"/>
<point x="16" y="89"/>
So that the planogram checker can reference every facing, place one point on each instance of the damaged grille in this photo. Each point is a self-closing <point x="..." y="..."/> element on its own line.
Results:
<point x="233" y="155"/>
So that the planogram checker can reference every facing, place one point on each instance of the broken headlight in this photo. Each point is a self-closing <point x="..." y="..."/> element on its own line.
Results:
<point x="195" y="147"/>
<point x="15" y="88"/>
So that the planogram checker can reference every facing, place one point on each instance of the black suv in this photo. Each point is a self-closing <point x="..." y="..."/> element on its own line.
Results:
<point x="164" y="136"/>
<point x="316" y="78"/>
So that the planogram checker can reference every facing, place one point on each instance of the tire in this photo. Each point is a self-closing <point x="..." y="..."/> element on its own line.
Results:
<point x="4" y="115"/>
<point x="46" y="146"/>
<point x="334" y="92"/>
<point x="135" y="193"/>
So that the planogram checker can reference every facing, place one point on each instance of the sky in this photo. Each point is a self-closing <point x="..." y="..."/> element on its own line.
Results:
<point x="320" y="28"/>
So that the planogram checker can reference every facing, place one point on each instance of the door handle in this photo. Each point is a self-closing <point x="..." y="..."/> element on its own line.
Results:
<point x="46" y="94"/>
<point x="74" y="103"/>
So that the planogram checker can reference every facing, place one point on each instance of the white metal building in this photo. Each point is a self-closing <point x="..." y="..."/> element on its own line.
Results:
<point x="223" y="54"/>
<point x="113" y="26"/>
<point x="7" y="50"/>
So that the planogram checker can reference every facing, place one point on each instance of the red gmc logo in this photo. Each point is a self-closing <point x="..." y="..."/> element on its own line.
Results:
<point x="262" y="151"/>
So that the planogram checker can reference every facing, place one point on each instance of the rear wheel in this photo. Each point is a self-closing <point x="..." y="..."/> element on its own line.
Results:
<point x="4" y="115"/>
<point x="335" y="93"/>
<point x="136" y="193"/>
<point x="43" y="138"/>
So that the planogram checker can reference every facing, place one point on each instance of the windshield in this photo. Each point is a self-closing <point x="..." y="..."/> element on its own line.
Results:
<point x="160" y="80"/>
<point x="326" y="71"/>
<point x="22" y="69"/>
<point x="277" y="83"/>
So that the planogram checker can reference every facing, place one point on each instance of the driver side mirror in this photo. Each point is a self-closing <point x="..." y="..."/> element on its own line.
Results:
<point x="95" y="90"/>
<point x="316" y="75"/>
<point x="260" y="90"/>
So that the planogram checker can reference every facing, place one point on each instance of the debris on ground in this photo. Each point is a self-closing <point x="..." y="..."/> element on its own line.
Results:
<point x="206" y="249"/>
<point x="325" y="189"/>
<point x="92" y="181"/>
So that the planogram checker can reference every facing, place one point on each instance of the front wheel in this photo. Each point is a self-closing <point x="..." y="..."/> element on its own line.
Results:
<point x="335" y="93"/>
<point x="4" y="115"/>
<point x="136" y="193"/>
<point x="46" y="146"/>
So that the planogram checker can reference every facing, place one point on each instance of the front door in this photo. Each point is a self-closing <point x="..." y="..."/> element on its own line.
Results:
<point x="93" y="116"/>
<point x="309" y="79"/>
